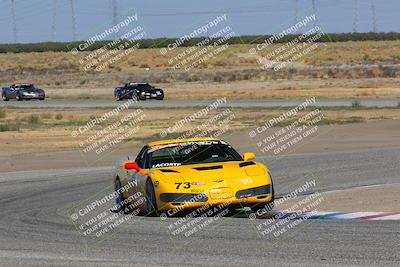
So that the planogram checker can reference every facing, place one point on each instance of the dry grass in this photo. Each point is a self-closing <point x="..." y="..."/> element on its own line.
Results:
<point x="331" y="60"/>
<point x="51" y="130"/>
<point x="341" y="53"/>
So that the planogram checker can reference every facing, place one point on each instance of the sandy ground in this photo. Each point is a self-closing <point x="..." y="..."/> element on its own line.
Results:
<point x="329" y="138"/>
<point x="382" y="198"/>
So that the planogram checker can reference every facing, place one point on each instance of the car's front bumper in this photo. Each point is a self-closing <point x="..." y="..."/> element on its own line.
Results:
<point x="241" y="198"/>
<point x="32" y="96"/>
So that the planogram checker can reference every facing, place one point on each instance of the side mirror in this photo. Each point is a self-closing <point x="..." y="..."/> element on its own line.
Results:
<point x="248" y="156"/>
<point x="131" y="165"/>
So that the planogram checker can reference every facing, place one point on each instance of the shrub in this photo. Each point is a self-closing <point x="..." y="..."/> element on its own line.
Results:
<point x="3" y="113"/>
<point x="59" y="116"/>
<point x="217" y="78"/>
<point x="33" y="119"/>
<point x="9" y="127"/>
<point x="356" y="104"/>
<point x="144" y="66"/>
<point x="192" y="78"/>
<point x="46" y="116"/>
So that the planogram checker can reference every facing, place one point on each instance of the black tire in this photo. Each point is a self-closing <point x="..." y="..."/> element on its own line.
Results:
<point x="161" y="97"/>
<point x="18" y="97"/>
<point x="151" y="203"/>
<point x="135" y="96"/>
<point x="120" y="197"/>
<point x="232" y="211"/>
<point x="41" y="98"/>
<point x="4" y="97"/>
<point x="118" y="97"/>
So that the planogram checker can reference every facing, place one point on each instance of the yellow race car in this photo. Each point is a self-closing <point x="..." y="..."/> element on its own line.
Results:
<point x="174" y="175"/>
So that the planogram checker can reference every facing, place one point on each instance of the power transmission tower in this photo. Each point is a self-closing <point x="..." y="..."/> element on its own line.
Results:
<point x="374" y="24"/>
<point x="73" y="19"/>
<point x="115" y="12"/>
<point x="355" y="15"/>
<point x="314" y="9"/>
<point x="53" y="26"/>
<point x="14" y="22"/>
<point x="115" y="15"/>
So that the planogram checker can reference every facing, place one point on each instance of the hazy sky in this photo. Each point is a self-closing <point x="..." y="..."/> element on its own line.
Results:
<point x="34" y="19"/>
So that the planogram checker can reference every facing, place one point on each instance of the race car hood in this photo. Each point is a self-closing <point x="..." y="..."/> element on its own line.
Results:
<point x="211" y="171"/>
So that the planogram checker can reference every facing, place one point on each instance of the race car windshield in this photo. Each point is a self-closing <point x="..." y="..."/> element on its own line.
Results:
<point x="27" y="87"/>
<point x="191" y="153"/>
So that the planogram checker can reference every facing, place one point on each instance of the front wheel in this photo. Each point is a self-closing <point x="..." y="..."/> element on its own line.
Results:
<point x="135" y="96"/>
<point x="121" y="206"/>
<point x="4" y="97"/>
<point x="19" y="98"/>
<point x="161" y="96"/>
<point x="42" y="98"/>
<point x="151" y="203"/>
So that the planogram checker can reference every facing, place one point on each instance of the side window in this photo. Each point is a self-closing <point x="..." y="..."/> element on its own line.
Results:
<point x="141" y="157"/>
<point x="147" y="161"/>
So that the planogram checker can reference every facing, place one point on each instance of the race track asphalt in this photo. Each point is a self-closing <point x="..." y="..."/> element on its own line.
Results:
<point x="35" y="228"/>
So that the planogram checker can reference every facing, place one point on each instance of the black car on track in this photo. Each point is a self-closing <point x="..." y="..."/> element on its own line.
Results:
<point x="139" y="91"/>
<point x="22" y="91"/>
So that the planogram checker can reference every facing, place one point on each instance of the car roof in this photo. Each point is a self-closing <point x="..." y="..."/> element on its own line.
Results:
<point x="132" y="83"/>
<point x="175" y="141"/>
<point x="23" y="84"/>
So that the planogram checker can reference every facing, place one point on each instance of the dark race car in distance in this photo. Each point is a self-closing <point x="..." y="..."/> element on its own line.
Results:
<point x="139" y="91"/>
<point x="22" y="91"/>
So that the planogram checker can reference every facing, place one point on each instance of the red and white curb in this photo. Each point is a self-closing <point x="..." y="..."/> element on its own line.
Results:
<point x="375" y="216"/>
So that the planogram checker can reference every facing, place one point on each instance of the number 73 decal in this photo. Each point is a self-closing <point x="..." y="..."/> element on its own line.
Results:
<point x="186" y="185"/>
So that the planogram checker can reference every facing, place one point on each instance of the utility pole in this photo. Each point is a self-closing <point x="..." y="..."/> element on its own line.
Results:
<point x="115" y="12"/>
<point x="296" y="11"/>
<point x="115" y="15"/>
<point x="314" y="9"/>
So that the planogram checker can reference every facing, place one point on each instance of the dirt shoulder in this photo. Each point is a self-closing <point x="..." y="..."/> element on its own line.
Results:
<point x="374" y="198"/>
